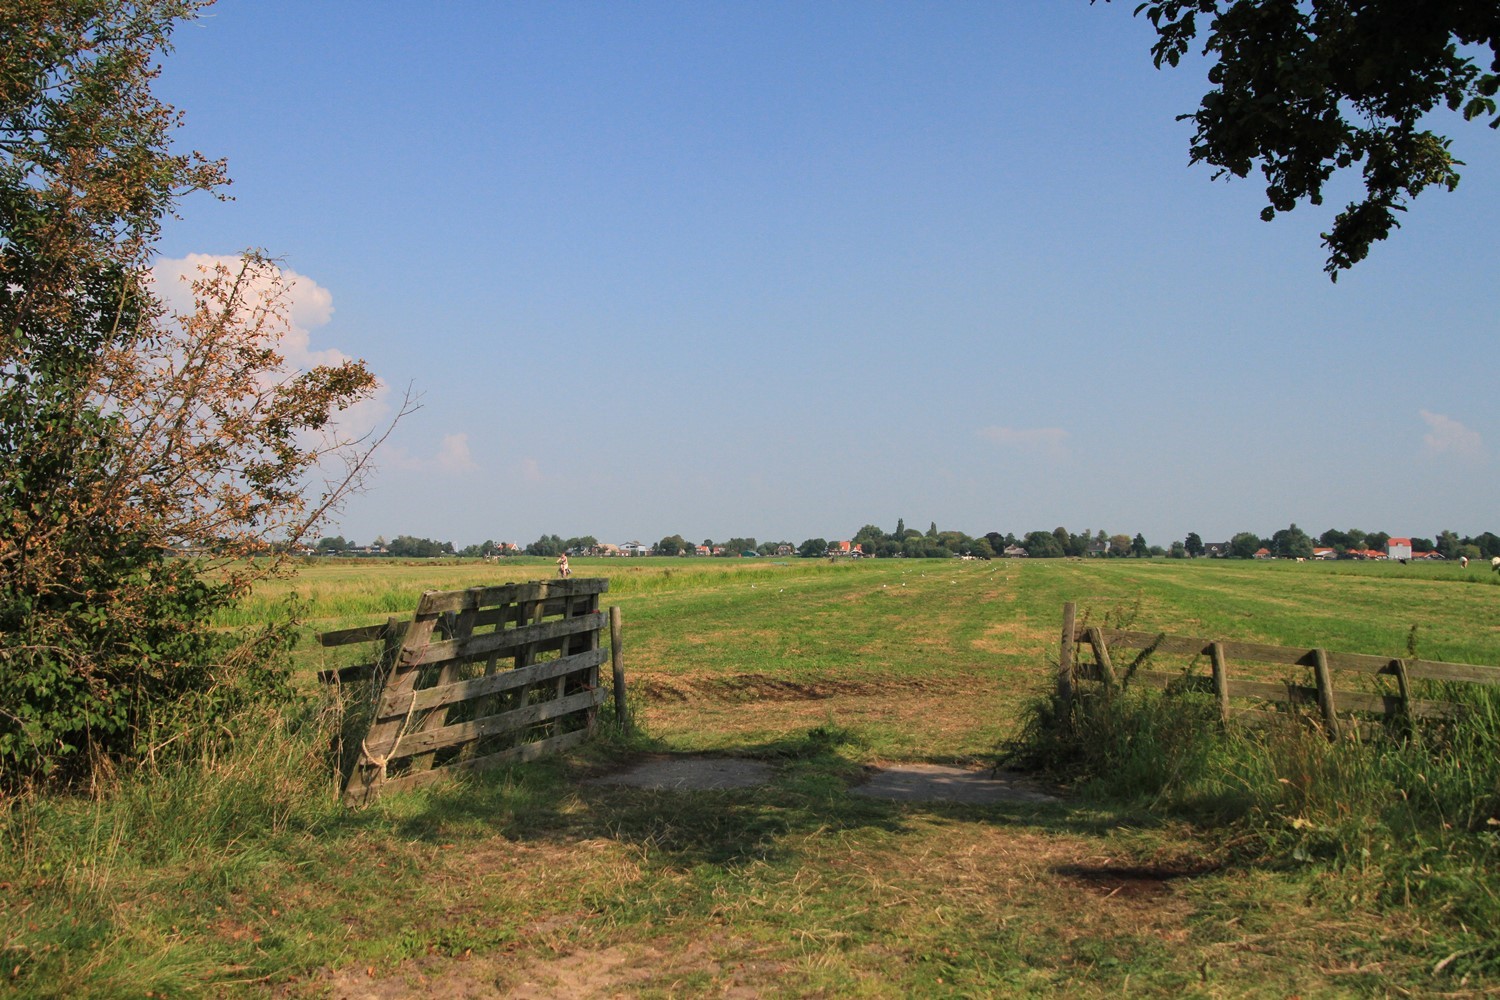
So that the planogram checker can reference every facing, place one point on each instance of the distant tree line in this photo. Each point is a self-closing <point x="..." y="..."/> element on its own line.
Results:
<point x="872" y="541"/>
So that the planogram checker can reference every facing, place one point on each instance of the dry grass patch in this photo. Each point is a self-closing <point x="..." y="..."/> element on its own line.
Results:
<point x="900" y="717"/>
<point x="1009" y="638"/>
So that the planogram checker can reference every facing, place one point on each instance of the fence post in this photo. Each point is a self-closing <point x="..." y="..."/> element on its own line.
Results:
<point x="1065" y="660"/>
<point x="1221" y="678"/>
<point x="1325" y="691"/>
<point x="617" y="664"/>
<point x="1403" y="686"/>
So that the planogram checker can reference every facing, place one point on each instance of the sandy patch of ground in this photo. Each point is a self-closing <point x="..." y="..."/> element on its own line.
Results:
<point x="897" y="782"/>
<point x="936" y="783"/>
<point x="583" y="974"/>
<point x="690" y="773"/>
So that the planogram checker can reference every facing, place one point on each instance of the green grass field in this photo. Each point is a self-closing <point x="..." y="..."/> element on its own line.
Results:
<point x="241" y="876"/>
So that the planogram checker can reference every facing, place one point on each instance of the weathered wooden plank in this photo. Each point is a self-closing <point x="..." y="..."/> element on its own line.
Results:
<point x="1434" y="670"/>
<point x="1403" y="680"/>
<point x="1349" y="701"/>
<point x="1101" y="656"/>
<point x="511" y="755"/>
<point x="487" y="643"/>
<point x="467" y="732"/>
<point x="347" y="675"/>
<point x="500" y="614"/>
<point x="1221" y="678"/>
<point x="458" y="627"/>
<point x="1065" y="666"/>
<point x="1237" y="687"/>
<point x="375" y="749"/>
<point x="389" y="634"/>
<point x="447" y="694"/>
<point x="1161" y="680"/>
<point x="1391" y="705"/>
<point x="1326" y="703"/>
<point x="439" y="601"/>
<point x="1292" y="694"/>
<point x="617" y="668"/>
<point x="346" y="636"/>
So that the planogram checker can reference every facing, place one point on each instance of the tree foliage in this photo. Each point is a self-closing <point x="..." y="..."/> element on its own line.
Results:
<point x="411" y="547"/>
<point x="547" y="545"/>
<point x="1042" y="545"/>
<point x="147" y="454"/>
<point x="1304" y="89"/>
<point x="1193" y="545"/>
<point x="1244" y="545"/>
<point x="1291" y="543"/>
<point x="671" y="545"/>
<point x="813" y="548"/>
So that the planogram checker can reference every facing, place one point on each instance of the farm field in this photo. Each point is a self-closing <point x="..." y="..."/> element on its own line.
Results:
<point x="246" y="878"/>
<point x="902" y="636"/>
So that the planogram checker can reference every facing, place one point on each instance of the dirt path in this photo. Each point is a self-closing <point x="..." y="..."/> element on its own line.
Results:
<point x="901" y="782"/>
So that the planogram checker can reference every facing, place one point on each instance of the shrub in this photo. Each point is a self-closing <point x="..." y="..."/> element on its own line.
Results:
<point x="128" y="434"/>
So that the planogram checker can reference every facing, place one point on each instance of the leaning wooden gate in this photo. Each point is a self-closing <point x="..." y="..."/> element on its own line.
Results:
<point x="478" y="678"/>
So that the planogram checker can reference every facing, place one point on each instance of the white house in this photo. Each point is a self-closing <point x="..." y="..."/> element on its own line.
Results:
<point x="1398" y="548"/>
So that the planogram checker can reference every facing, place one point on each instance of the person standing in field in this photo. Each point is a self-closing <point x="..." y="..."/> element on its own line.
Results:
<point x="563" y="570"/>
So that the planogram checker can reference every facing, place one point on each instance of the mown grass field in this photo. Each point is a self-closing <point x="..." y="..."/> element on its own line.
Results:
<point x="241" y="876"/>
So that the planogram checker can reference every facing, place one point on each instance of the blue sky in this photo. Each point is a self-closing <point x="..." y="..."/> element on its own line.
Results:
<point x="784" y="269"/>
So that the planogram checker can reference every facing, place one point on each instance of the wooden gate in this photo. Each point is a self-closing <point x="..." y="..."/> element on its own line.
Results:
<point x="478" y="678"/>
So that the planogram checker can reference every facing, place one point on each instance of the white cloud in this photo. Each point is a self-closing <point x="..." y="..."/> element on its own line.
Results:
<point x="306" y="306"/>
<point x="1446" y="436"/>
<point x="454" y="455"/>
<point x="451" y="458"/>
<point x="1050" y="441"/>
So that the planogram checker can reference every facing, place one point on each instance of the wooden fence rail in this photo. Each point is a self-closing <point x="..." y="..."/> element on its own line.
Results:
<point x="1368" y="684"/>
<point x="478" y="678"/>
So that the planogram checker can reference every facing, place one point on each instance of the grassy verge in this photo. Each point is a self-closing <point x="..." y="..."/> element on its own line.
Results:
<point x="237" y="874"/>
<point x="1377" y="821"/>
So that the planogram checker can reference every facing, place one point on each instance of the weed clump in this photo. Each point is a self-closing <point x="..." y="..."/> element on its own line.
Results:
<point x="1408" y="816"/>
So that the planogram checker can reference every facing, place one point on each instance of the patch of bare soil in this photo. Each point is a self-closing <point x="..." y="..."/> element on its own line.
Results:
<point x="929" y="712"/>
<point x="898" y="782"/>
<point x="937" y="783"/>
<point x="582" y="974"/>
<point x="690" y="773"/>
<point x="1132" y="880"/>
<point x="738" y="688"/>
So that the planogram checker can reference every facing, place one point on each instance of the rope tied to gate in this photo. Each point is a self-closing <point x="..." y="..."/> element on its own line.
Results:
<point x="372" y="758"/>
<point x="384" y="762"/>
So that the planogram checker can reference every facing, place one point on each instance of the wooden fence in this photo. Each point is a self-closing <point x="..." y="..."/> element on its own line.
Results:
<point x="1386" y="686"/>
<point x="478" y="678"/>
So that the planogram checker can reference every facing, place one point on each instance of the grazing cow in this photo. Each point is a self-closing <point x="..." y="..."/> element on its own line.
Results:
<point x="1495" y="564"/>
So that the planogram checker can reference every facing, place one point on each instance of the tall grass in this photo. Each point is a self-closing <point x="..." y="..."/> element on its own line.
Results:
<point x="110" y="876"/>
<point x="1401" y="817"/>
